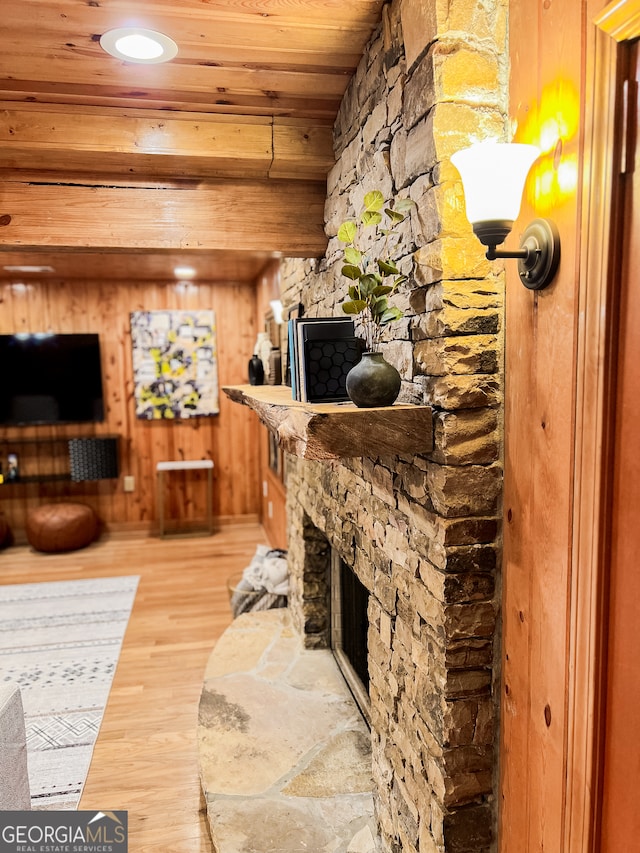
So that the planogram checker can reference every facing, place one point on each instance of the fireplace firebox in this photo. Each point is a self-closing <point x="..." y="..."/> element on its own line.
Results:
<point x="349" y="629"/>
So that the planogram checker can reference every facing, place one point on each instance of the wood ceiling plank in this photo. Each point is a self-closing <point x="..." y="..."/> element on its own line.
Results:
<point x="158" y="266"/>
<point x="180" y="77"/>
<point x="263" y="104"/>
<point x="199" y="27"/>
<point x="132" y="111"/>
<point x="331" y="61"/>
<point x="312" y="11"/>
<point x="272" y="216"/>
<point x="285" y="58"/>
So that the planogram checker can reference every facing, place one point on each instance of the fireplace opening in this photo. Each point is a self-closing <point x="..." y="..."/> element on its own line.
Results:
<point x="349" y="628"/>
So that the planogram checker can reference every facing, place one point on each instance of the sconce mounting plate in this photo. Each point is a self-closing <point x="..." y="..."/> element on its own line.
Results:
<point x="541" y="239"/>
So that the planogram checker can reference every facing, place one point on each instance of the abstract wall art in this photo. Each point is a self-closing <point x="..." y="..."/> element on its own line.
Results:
<point x="175" y="369"/>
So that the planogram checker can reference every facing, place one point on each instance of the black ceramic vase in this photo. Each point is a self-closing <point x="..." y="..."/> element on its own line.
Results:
<point x="256" y="370"/>
<point x="373" y="382"/>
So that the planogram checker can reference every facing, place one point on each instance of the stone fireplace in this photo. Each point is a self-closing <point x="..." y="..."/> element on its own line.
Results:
<point x="420" y="532"/>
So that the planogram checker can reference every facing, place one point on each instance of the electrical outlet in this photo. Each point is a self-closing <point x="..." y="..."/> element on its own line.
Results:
<point x="129" y="483"/>
<point x="265" y="488"/>
<point x="270" y="509"/>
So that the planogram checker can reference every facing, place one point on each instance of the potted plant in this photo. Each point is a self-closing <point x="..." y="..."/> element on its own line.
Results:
<point x="373" y="381"/>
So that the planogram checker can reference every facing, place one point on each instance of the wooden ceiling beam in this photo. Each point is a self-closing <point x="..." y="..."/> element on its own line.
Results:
<point x="159" y="144"/>
<point x="277" y="217"/>
<point x="301" y="148"/>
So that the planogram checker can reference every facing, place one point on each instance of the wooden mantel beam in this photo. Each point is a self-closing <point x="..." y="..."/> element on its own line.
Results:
<point x="337" y="430"/>
<point x="273" y="216"/>
<point x="159" y="144"/>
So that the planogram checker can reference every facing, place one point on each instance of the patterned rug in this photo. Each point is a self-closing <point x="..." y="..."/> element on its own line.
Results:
<point x="60" y="643"/>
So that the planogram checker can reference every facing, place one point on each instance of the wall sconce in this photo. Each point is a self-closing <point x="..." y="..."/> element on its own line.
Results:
<point x="493" y="176"/>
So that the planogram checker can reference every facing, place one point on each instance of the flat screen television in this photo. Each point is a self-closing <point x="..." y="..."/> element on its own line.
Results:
<point x="50" y="379"/>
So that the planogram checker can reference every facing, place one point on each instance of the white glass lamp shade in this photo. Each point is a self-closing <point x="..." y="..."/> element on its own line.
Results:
<point x="493" y="176"/>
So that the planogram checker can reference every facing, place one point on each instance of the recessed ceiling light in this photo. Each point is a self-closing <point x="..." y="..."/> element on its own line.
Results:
<point x="27" y="268"/>
<point x="135" y="44"/>
<point x="184" y="272"/>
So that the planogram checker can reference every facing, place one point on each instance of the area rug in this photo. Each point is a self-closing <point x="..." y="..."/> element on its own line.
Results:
<point x="60" y="642"/>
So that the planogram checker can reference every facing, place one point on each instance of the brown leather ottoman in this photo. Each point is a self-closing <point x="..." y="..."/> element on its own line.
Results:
<point x="61" y="527"/>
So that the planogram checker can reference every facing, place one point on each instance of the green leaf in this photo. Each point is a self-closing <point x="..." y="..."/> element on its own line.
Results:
<point x="368" y="283"/>
<point x="354" y="292"/>
<point x="394" y="216"/>
<point x="373" y="201"/>
<point x="353" y="256"/>
<point x="355" y="306"/>
<point x="382" y="290"/>
<point x="388" y="268"/>
<point x="390" y="315"/>
<point x="347" y="232"/>
<point x="404" y="205"/>
<point x="351" y="272"/>
<point x="400" y="280"/>
<point x="378" y="305"/>
<point x="371" y="217"/>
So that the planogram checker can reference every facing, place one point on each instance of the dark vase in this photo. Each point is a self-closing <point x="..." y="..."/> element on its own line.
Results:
<point x="373" y="382"/>
<point x="256" y="370"/>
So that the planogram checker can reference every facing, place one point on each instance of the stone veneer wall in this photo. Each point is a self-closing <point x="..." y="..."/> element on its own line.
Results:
<point x="422" y="533"/>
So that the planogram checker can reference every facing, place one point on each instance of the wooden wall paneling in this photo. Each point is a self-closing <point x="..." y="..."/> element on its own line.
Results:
<point x="273" y="500"/>
<point x="539" y="436"/>
<point x="100" y="316"/>
<point x="519" y="511"/>
<point x="230" y="439"/>
<point x="137" y="505"/>
<point x="237" y="331"/>
<point x="274" y="509"/>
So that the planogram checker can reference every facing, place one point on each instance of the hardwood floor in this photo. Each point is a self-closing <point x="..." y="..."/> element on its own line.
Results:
<point x="145" y="758"/>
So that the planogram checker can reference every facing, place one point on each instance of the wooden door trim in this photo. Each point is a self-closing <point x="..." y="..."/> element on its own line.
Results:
<point x="595" y="408"/>
<point x="620" y="19"/>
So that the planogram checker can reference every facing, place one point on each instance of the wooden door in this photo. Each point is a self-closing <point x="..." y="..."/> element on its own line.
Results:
<point x="621" y="753"/>
<point x="560" y="379"/>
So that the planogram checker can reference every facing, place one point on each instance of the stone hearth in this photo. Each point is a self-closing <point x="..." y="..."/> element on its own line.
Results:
<point x="284" y="753"/>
